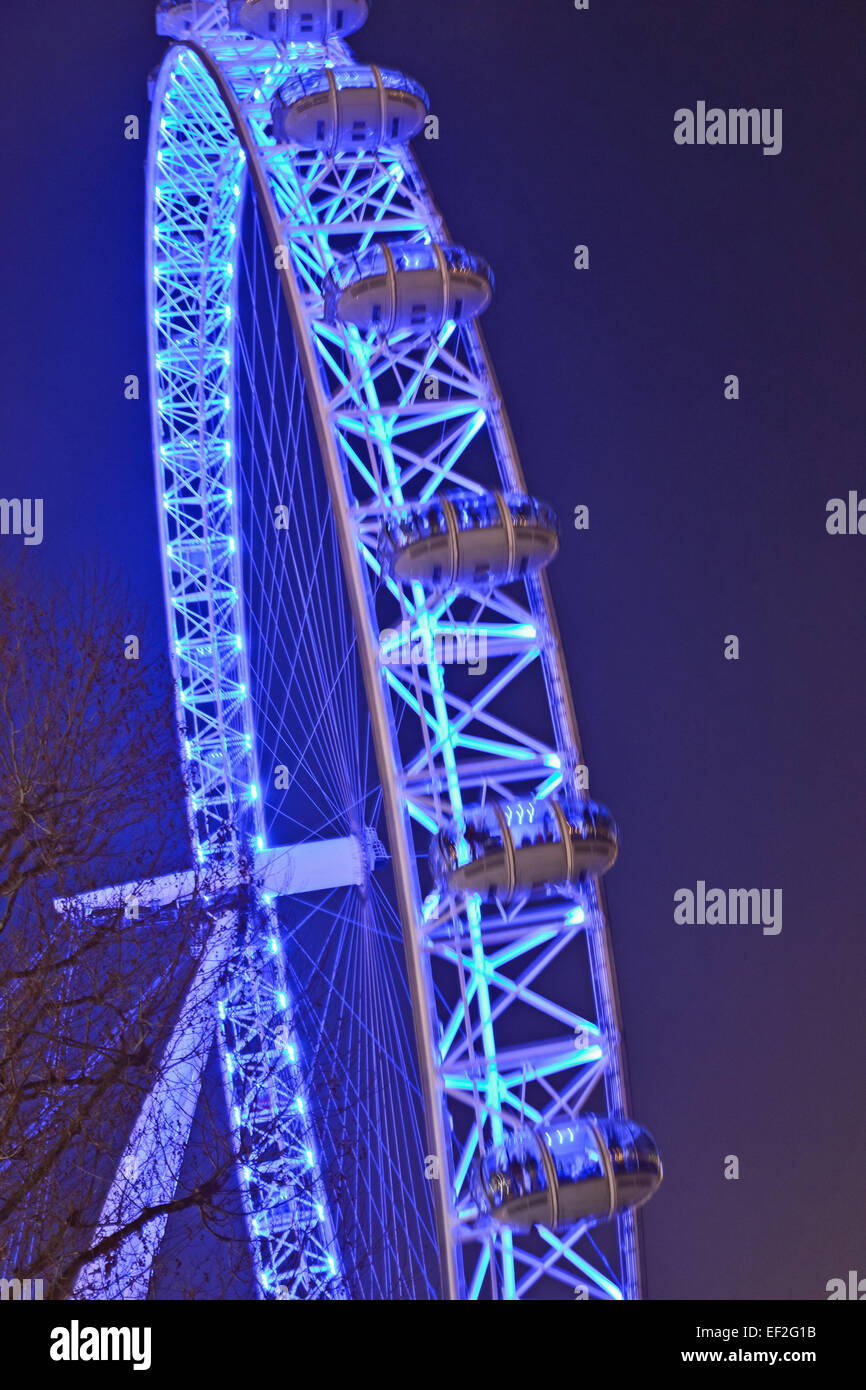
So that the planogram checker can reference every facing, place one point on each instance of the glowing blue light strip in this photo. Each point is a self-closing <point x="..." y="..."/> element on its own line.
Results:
<point x="194" y="321"/>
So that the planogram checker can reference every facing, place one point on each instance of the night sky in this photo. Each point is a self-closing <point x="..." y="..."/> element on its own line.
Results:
<point x="707" y="516"/>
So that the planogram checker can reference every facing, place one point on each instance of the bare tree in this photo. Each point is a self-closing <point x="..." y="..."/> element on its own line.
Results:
<point x="90" y="794"/>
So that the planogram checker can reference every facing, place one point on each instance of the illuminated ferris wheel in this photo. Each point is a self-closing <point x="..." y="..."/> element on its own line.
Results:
<point x="420" y="1039"/>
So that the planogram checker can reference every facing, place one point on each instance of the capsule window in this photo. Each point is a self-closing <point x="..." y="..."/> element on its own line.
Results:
<point x="320" y="130"/>
<point x="419" y="313"/>
<point x="272" y="22"/>
<point x="377" y="313"/>
<point x="307" y="23"/>
<point x="458" y="308"/>
<point x="338" y="22"/>
<point x="395" y="127"/>
<point x="359" y="130"/>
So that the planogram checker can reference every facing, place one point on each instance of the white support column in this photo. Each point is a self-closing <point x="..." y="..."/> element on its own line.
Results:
<point x="149" y="1169"/>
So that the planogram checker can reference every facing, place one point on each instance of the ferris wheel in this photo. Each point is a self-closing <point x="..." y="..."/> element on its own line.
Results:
<point x="420" y="1037"/>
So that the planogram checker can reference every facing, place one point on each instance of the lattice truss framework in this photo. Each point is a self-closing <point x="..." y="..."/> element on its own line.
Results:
<point x="198" y="171"/>
<point x="409" y="417"/>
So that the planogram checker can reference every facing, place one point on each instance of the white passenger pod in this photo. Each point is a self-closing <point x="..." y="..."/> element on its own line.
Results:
<point x="590" y="1168"/>
<point x="417" y="286"/>
<point x="468" y="539"/>
<point x="534" y="845"/>
<point x="342" y="109"/>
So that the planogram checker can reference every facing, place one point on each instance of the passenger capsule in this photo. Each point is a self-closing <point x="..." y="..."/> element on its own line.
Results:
<point x="298" y="21"/>
<point x="177" y="21"/>
<point x="348" y="109"/>
<point x="588" y="1169"/>
<point x="504" y="846"/>
<point x="407" y="285"/>
<point x="468" y="539"/>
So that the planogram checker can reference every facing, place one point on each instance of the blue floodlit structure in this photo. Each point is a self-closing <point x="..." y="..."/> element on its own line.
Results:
<point x="387" y="1037"/>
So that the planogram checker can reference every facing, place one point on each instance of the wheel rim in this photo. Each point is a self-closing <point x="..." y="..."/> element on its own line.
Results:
<point x="384" y="443"/>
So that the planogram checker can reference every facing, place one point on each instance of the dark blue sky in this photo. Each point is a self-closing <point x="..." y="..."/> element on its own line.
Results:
<point x="707" y="517"/>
